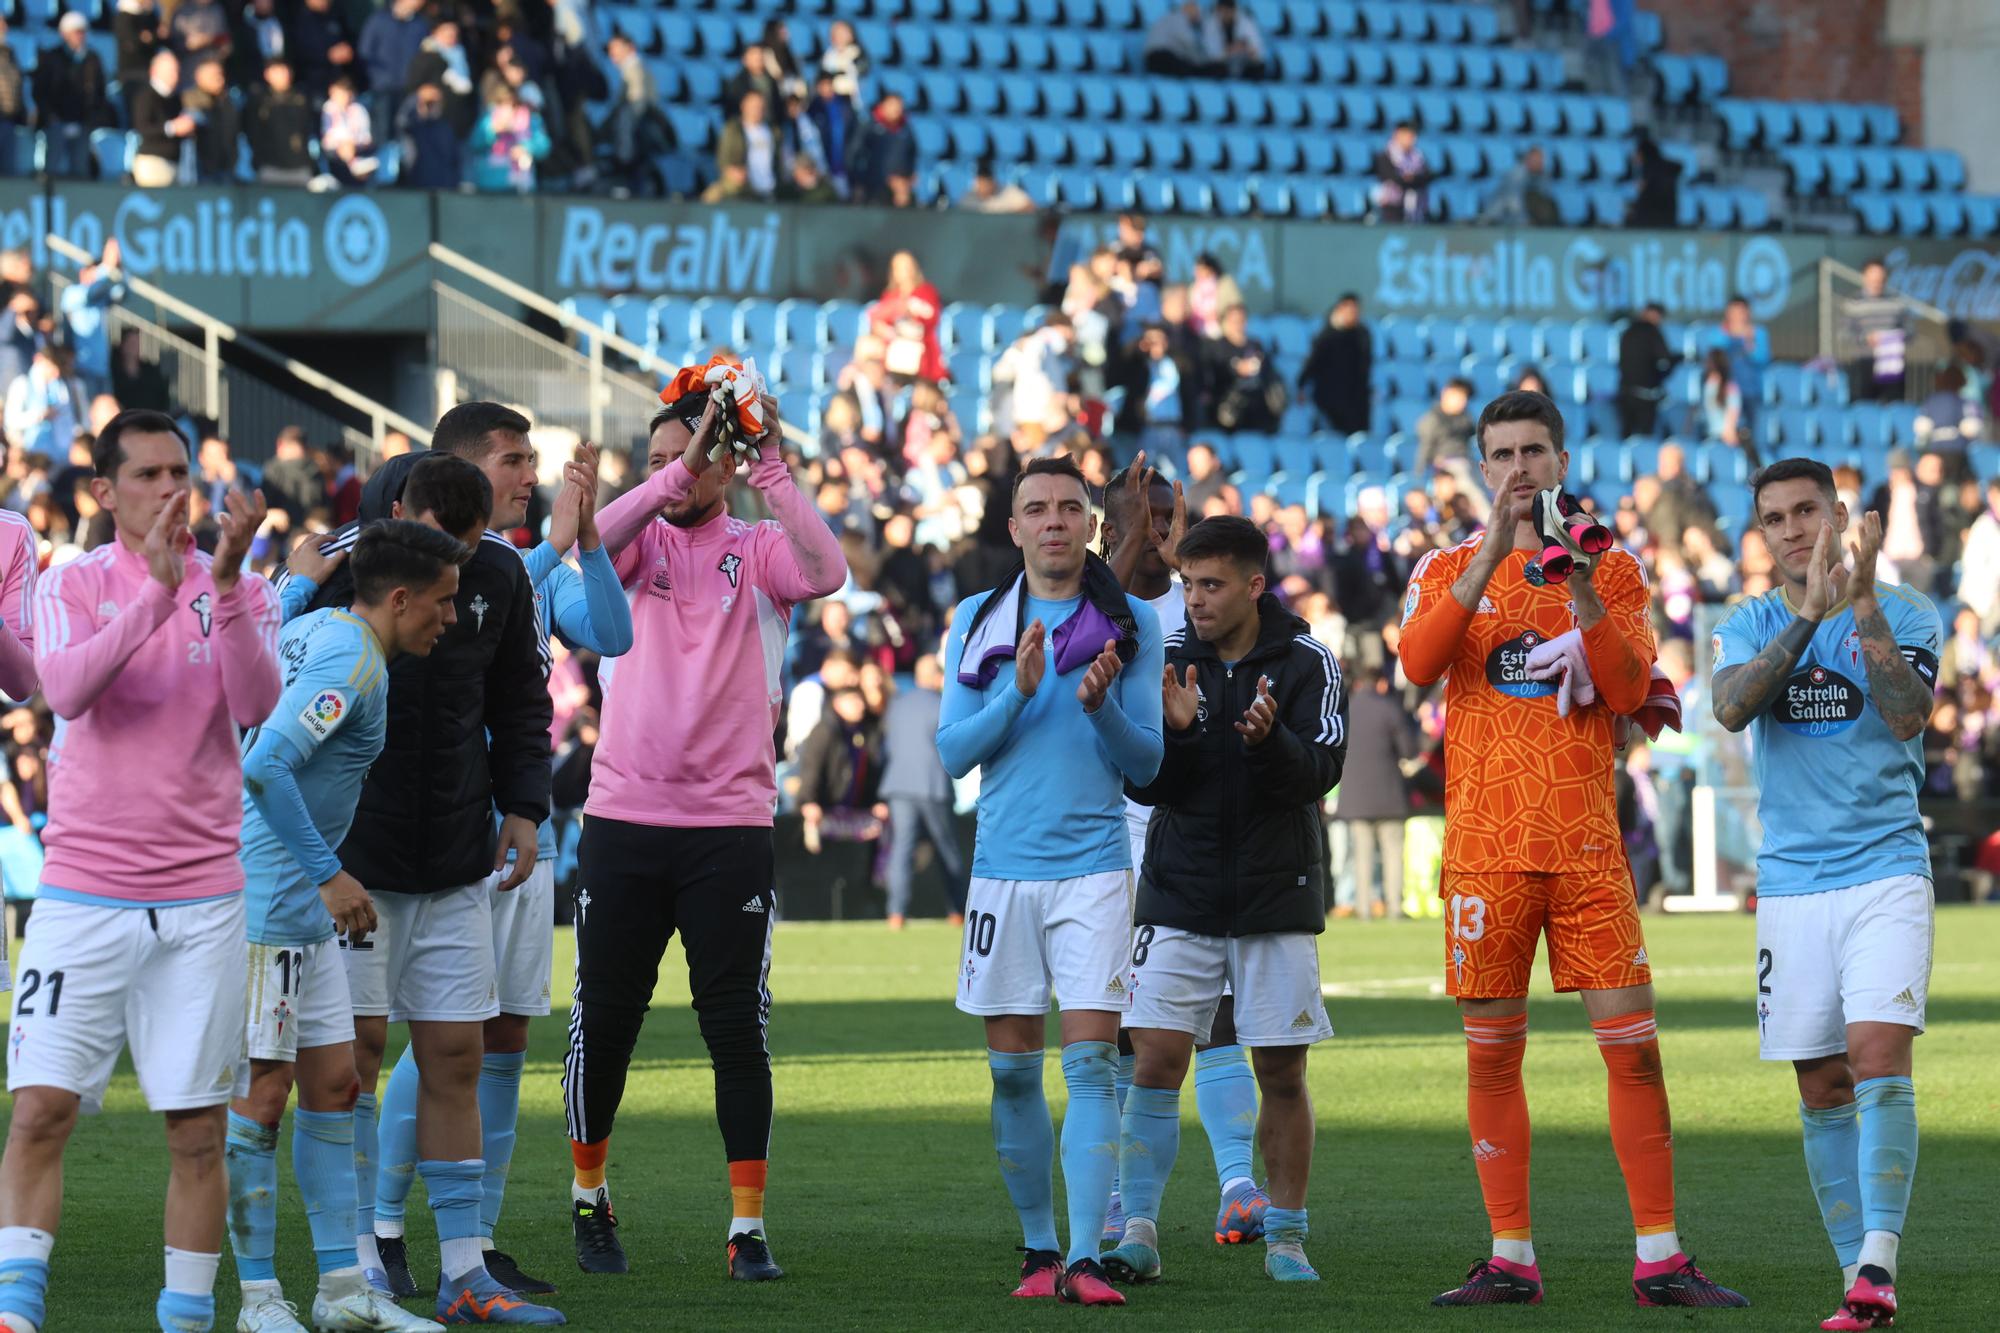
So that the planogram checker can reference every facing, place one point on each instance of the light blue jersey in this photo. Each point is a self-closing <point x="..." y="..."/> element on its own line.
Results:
<point x="1837" y="792"/>
<point x="303" y="768"/>
<point x="1052" y="777"/>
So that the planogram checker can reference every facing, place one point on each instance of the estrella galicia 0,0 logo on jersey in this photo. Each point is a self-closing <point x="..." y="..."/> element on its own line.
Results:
<point x="1818" y="701"/>
<point x="1507" y="668"/>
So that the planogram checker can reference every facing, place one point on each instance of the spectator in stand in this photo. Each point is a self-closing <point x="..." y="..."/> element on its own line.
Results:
<point x="40" y="413"/>
<point x="85" y="304"/>
<point x="13" y="101"/>
<point x="281" y="127"/>
<point x="1722" y="405"/>
<point x="161" y="125"/>
<point x="1244" y="389"/>
<point x="748" y="154"/>
<point x="1174" y="44"/>
<point x="390" y="41"/>
<point x="1658" y="203"/>
<point x="1373" y="799"/>
<point x="1875" y="326"/>
<point x="1402" y="177"/>
<point x="137" y="27"/>
<point x="510" y="72"/>
<point x="441" y="59"/>
<point x="840" y="775"/>
<point x="1681" y="504"/>
<point x="135" y="381"/>
<point x="21" y="332"/>
<point x="1948" y="419"/>
<point x="292" y="481"/>
<point x="1031" y="379"/>
<point x="346" y="136"/>
<point x="220" y="473"/>
<point x="1206" y="481"/>
<point x="1231" y="44"/>
<point x="882" y="162"/>
<point x="844" y="61"/>
<point x="637" y="127"/>
<point x="1157" y="390"/>
<point x="1211" y="292"/>
<point x="218" y="124"/>
<point x="343" y="482"/>
<point x="1522" y="197"/>
<point x="1444" y="434"/>
<point x="1644" y="362"/>
<point x="988" y="195"/>
<point x="866" y="380"/>
<point x="1529" y="379"/>
<point x="1138" y="252"/>
<point x="919" y="794"/>
<point x="1979" y="580"/>
<point x="72" y="97"/>
<point x="1749" y="349"/>
<point x="929" y="418"/>
<point x="1369" y="578"/>
<point x="836" y="118"/>
<point x="905" y="317"/>
<point x="780" y="61"/>
<point x="200" y="31"/>
<point x="323" y="49"/>
<point x="509" y="142"/>
<point x="753" y="75"/>
<point x="258" y="37"/>
<point x="433" y="157"/>
<point x="1337" y="369"/>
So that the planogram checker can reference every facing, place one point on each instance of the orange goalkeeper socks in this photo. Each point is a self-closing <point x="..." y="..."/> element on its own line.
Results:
<point x="1641" y="1125"/>
<point x="1496" y="1109"/>
<point x="588" y="1159"/>
<point x="746" y="1193"/>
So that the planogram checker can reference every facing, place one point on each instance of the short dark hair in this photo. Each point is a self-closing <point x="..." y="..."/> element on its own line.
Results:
<point x="466" y="430"/>
<point x="1736" y="298"/>
<point x="450" y="489"/>
<point x="1226" y="537"/>
<point x="1114" y="488"/>
<point x="1520" y="405"/>
<point x="400" y="553"/>
<point x="1402" y="125"/>
<point x="1461" y="383"/>
<point x="1345" y="297"/>
<point x="1875" y="261"/>
<point x="1062" y="465"/>
<point x="1793" y="469"/>
<point x="107" y="454"/>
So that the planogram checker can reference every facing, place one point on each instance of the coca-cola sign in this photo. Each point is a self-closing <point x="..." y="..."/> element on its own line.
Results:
<point x="1965" y="285"/>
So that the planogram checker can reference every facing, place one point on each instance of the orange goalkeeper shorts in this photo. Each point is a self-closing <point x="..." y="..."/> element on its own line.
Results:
<point x="1492" y="922"/>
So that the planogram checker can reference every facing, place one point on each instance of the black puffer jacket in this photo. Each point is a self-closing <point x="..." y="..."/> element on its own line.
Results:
<point x="468" y="725"/>
<point x="1235" y="846"/>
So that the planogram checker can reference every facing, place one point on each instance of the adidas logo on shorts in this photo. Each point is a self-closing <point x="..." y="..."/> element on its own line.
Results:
<point x="754" y="905"/>
<point x="1639" y="958"/>
<point x="1905" y="1000"/>
<point x="1304" y="1020"/>
<point x="1114" y="987"/>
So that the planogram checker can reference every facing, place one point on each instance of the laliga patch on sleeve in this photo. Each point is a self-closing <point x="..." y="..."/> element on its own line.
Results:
<point x="1715" y="647"/>
<point x="1410" y="601"/>
<point x="324" y="714"/>
<point x="1922" y="661"/>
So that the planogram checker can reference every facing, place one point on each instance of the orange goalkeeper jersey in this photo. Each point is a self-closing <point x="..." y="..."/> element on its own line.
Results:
<point x="1526" y="790"/>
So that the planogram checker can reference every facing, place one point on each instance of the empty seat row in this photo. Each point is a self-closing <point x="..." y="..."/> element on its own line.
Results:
<point x="1690" y="80"/>
<point x="1409" y="65"/>
<point x="1723" y="208"/>
<point x="1839" y="171"/>
<point x="1928" y="214"/>
<point x="1750" y="124"/>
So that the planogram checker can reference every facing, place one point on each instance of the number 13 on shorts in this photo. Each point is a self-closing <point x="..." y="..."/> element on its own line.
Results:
<point x="1465" y="918"/>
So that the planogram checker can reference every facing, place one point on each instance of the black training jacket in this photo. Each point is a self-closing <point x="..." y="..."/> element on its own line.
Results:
<point x="468" y="725"/>
<point x="1235" y="844"/>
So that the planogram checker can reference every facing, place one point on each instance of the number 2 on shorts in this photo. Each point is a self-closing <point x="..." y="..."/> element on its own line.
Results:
<point x="1468" y="916"/>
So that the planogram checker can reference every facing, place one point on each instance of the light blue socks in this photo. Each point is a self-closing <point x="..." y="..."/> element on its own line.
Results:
<point x="1024" y="1139"/>
<point x="1888" y="1151"/>
<point x="252" y="1157"/>
<point x="1089" y="1141"/>
<point x="397" y="1152"/>
<point x="1150" y="1138"/>
<point x="366" y="1154"/>
<point x="1833" y="1157"/>
<point x="499" y="1111"/>
<point x="323" y="1162"/>
<point x="1225" y="1092"/>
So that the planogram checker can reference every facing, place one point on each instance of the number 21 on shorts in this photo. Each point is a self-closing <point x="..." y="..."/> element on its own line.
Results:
<point x="1468" y="917"/>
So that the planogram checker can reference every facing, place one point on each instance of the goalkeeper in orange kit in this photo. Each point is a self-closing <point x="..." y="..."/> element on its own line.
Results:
<point x="1532" y="844"/>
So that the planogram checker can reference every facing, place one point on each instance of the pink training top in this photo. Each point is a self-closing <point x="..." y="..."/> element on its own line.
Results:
<point x="145" y="783"/>
<point x="690" y="711"/>
<point x="20" y="557"/>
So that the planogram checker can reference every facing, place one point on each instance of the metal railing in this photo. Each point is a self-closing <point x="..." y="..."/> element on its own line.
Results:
<point x="494" y="354"/>
<point x="250" y="409"/>
<point x="1929" y="344"/>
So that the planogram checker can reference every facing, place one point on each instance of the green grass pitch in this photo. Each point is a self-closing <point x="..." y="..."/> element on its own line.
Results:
<point x="887" y="1210"/>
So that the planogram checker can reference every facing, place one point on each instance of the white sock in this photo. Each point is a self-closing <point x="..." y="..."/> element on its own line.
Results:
<point x="369" y="1253"/>
<point x="460" y="1256"/>
<point x="389" y="1228"/>
<point x="485" y="1244"/>
<point x="1230" y="1185"/>
<point x="335" y="1286"/>
<point x="1878" y="1248"/>
<point x="598" y="1194"/>
<point x="1520" y="1252"/>
<point x="739" y="1225"/>
<point x="1848" y="1274"/>
<point x="1658" y="1247"/>
<point x="191" y="1274"/>
<point x="26" y="1243"/>
<point x="1139" y="1231"/>
<point x="256" y="1293"/>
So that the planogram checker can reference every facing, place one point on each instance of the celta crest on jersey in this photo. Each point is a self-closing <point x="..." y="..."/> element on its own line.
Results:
<point x="479" y="608"/>
<point x="729" y="565"/>
<point x="204" y="608"/>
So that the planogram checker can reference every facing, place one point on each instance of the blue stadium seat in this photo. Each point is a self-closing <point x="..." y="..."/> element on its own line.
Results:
<point x="1948" y="216"/>
<point x="1913" y="215"/>
<point x="1271" y="196"/>
<point x="1982" y="214"/>
<point x="841" y="323"/>
<point x="1884" y="125"/>
<point x="1808" y="170"/>
<point x="1815" y="123"/>
<point x="1676" y="78"/>
<point x="1850" y="126"/>
<point x="1753" y="210"/>
<point x="1741" y="125"/>
<point x="1203" y="148"/>
<point x="1788" y="385"/>
<point x="1779" y="123"/>
<point x="755" y="326"/>
<point x="798" y="323"/>
<point x="1312" y="199"/>
<point x="1947" y="169"/>
<point x="1843" y="170"/>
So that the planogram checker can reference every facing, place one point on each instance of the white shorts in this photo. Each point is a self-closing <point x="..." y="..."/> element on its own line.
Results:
<point x="1177" y="979"/>
<point x="430" y="958"/>
<point x="1024" y="935"/>
<point x="297" y="1000"/>
<point x="1856" y="955"/>
<point x="524" y="940"/>
<point x="165" y="981"/>
<point x="1138" y="860"/>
